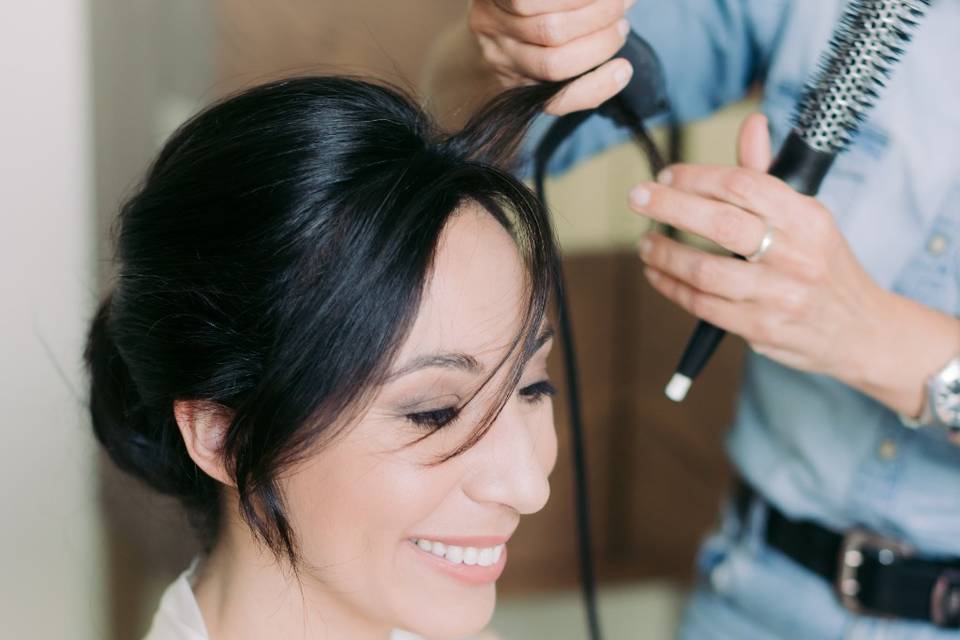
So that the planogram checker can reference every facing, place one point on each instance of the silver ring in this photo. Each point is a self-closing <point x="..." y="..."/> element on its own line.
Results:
<point x="764" y="247"/>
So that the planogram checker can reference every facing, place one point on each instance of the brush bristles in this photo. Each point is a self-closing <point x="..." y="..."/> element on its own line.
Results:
<point x="868" y="42"/>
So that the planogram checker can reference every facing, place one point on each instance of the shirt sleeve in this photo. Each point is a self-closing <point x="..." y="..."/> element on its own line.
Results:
<point x="712" y="51"/>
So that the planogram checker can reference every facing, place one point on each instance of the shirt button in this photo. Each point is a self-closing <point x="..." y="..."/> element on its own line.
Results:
<point x="937" y="245"/>
<point x="888" y="449"/>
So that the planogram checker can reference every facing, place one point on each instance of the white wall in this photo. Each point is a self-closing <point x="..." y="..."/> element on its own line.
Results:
<point x="50" y="551"/>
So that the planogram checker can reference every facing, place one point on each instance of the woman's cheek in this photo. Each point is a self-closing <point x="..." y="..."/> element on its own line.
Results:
<point x="332" y="497"/>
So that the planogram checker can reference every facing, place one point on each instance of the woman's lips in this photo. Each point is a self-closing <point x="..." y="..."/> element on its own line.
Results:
<point x="475" y="561"/>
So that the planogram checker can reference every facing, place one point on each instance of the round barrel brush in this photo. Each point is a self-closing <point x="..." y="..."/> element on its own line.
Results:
<point x="866" y="45"/>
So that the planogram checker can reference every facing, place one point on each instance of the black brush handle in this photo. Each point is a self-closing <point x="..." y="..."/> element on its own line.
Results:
<point x="801" y="166"/>
<point x="804" y="169"/>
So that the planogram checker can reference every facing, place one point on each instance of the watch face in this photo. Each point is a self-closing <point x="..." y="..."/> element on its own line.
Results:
<point x="947" y="403"/>
<point x="946" y="396"/>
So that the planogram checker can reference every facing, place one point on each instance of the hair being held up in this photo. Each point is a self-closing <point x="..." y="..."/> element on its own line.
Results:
<point x="271" y="263"/>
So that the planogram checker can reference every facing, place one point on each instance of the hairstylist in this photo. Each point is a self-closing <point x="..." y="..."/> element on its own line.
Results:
<point x="847" y="520"/>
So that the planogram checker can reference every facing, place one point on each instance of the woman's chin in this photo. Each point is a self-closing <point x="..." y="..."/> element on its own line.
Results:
<point x="464" y="617"/>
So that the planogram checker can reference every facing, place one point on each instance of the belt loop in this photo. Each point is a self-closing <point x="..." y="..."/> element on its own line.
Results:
<point x="754" y="537"/>
<point x="746" y="515"/>
<point x="731" y="526"/>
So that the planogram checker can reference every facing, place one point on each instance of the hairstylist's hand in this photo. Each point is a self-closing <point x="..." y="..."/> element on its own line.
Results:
<point x="529" y="41"/>
<point x="807" y="303"/>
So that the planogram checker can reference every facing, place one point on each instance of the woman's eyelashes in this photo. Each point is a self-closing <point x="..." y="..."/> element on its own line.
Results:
<point x="435" y="418"/>
<point x="442" y="417"/>
<point x="538" y="391"/>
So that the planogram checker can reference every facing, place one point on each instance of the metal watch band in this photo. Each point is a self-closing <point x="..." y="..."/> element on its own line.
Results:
<point x="941" y="406"/>
<point x="944" y="396"/>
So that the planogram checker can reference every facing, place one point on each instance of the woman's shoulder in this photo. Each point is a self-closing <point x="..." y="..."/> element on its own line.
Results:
<point x="178" y="617"/>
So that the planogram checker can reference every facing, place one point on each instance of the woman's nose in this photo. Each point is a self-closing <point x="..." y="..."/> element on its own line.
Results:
<point x="514" y="460"/>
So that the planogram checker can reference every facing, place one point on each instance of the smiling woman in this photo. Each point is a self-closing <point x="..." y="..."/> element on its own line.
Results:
<point x="327" y="338"/>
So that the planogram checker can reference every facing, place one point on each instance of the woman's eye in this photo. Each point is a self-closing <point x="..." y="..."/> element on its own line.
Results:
<point x="434" y="419"/>
<point x="538" y="391"/>
<point x="438" y="418"/>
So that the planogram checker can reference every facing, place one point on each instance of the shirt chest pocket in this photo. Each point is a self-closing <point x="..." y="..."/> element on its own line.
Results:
<point x="932" y="276"/>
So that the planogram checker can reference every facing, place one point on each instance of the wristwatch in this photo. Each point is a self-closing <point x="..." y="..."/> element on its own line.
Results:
<point x="942" y="405"/>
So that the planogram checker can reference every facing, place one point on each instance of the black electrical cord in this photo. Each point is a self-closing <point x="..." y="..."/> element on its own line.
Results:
<point x="675" y="147"/>
<point x="558" y="132"/>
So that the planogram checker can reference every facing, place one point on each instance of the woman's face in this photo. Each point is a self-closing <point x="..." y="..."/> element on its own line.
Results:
<point x="386" y="532"/>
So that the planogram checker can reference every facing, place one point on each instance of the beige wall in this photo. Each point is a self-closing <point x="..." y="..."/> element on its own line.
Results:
<point x="50" y="551"/>
<point x="590" y="203"/>
<point x="153" y="66"/>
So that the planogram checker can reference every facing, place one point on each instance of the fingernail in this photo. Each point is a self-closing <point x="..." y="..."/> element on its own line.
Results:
<point x="640" y="196"/>
<point x="665" y="177"/>
<point x="652" y="275"/>
<point x="623" y="27"/>
<point x="622" y="74"/>
<point x="645" y="246"/>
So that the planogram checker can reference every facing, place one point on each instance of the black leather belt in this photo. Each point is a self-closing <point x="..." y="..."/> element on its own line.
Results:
<point x="872" y="575"/>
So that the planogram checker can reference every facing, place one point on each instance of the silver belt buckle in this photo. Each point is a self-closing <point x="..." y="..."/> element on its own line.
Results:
<point x="855" y="543"/>
<point x="945" y="600"/>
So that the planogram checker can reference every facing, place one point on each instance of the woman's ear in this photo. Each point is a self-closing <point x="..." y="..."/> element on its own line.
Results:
<point x="203" y="425"/>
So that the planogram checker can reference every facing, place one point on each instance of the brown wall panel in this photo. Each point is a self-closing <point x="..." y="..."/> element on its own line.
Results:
<point x="657" y="469"/>
<point x="262" y="40"/>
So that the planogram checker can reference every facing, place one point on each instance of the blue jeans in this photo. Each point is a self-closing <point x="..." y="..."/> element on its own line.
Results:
<point x="749" y="591"/>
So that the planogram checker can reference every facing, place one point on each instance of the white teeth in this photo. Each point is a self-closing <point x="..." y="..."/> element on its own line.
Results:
<point x="454" y="554"/>
<point x="469" y="556"/>
<point x="486" y="558"/>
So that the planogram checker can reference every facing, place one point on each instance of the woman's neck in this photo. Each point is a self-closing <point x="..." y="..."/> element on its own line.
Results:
<point x="244" y="593"/>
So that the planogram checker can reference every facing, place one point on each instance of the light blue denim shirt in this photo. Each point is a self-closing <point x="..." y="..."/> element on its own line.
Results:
<point x="814" y="447"/>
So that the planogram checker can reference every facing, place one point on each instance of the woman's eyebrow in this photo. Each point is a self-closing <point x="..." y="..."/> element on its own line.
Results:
<point x="545" y="336"/>
<point x="459" y="361"/>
